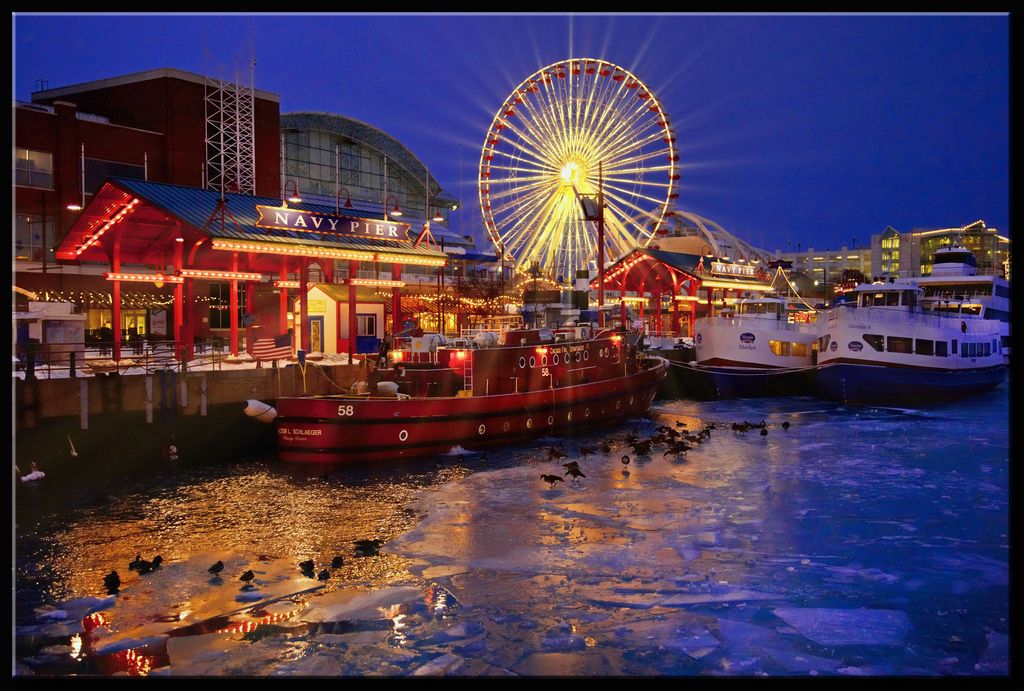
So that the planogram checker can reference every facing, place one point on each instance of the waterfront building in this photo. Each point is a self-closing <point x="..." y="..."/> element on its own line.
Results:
<point x="905" y="255"/>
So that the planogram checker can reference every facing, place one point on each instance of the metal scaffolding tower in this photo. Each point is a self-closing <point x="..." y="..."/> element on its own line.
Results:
<point x="230" y="137"/>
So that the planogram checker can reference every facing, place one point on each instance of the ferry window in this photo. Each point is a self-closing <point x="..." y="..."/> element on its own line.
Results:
<point x="963" y="350"/>
<point x="544" y="360"/>
<point x="952" y="346"/>
<point x="586" y="354"/>
<point x="940" y="348"/>
<point x="972" y="350"/>
<point x="825" y="340"/>
<point x="923" y="346"/>
<point x="554" y="358"/>
<point x="892" y="299"/>
<point x="875" y="341"/>
<point x="522" y="362"/>
<point x="578" y="356"/>
<point x="986" y="349"/>
<point x="780" y="348"/>
<point x="533" y="361"/>
<point x="799" y="350"/>
<point x="898" y="344"/>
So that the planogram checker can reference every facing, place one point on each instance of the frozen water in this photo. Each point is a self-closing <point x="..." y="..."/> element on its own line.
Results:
<point x="847" y="626"/>
<point x="823" y="550"/>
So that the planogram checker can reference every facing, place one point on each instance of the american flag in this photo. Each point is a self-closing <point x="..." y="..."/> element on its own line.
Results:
<point x="273" y="348"/>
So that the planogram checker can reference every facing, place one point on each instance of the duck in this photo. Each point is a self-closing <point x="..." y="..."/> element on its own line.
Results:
<point x="576" y="474"/>
<point x="157" y="561"/>
<point x="367" y="548"/>
<point x="552" y="479"/>
<point x="306" y="565"/>
<point x="337" y="562"/>
<point x="134" y="563"/>
<point x="764" y="431"/>
<point x="554" y="453"/>
<point x="247" y="576"/>
<point x="785" y="425"/>
<point x="112" y="582"/>
<point x="323" y="575"/>
<point x="571" y="464"/>
<point x="216" y="568"/>
<point x="625" y="460"/>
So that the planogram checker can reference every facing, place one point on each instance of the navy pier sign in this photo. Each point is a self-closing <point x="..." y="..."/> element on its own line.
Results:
<point x="283" y="218"/>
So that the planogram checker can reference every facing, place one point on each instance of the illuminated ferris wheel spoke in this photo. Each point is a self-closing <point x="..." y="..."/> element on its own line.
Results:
<point x="544" y="147"/>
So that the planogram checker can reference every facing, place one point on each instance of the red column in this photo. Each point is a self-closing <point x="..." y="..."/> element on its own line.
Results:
<point x="622" y="300"/>
<point x="283" y="275"/>
<point x="353" y="272"/>
<point x="190" y="330"/>
<point x="303" y="333"/>
<point x="692" y="291"/>
<point x="116" y="298"/>
<point x="640" y="293"/>
<point x="233" y="287"/>
<point x="179" y="306"/>
<point x="396" y="300"/>
<point x="657" y="318"/>
<point x="250" y="298"/>
<point x="675" y="306"/>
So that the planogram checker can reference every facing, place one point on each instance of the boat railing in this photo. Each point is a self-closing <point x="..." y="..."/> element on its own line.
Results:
<point x="746" y="321"/>
<point x="916" y="316"/>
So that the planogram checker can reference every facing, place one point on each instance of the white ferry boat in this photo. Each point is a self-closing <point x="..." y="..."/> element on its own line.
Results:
<point x="885" y="348"/>
<point x="955" y="288"/>
<point x="755" y="348"/>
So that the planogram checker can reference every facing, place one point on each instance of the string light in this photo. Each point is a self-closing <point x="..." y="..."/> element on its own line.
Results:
<point x="143" y="278"/>
<point x="227" y="275"/>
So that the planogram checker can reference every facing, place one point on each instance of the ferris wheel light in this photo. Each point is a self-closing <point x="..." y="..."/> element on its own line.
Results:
<point x="534" y="169"/>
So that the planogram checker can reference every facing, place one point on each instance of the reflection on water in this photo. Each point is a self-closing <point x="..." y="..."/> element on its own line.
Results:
<point x="857" y="541"/>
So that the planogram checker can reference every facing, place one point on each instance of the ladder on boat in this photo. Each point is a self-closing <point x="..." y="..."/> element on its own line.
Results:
<point x="467" y="370"/>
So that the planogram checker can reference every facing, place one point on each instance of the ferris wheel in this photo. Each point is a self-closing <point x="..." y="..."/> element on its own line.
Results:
<point x="565" y="131"/>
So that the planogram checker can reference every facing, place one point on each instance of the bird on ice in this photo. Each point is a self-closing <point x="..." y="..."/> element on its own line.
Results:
<point x="216" y="568"/>
<point x="552" y="479"/>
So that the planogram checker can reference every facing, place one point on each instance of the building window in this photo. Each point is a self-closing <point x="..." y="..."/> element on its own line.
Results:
<point x="33" y="168"/>
<point x="98" y="170"/>
<point x="31" y="234"/>
<point x="220" y="305"/>
<point x="366" y="324"/>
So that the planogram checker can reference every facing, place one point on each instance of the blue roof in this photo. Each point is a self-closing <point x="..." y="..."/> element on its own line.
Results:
<point x="195" y="206"/>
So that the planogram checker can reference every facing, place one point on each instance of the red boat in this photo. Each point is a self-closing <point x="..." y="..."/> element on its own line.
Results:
<point x="494" y="388"/>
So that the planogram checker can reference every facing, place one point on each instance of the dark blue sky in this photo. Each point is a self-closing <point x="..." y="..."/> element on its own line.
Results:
<point x="816" y="129"/>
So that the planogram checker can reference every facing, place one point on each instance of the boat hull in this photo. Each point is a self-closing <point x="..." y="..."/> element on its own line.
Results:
<point x="709" y="383"/>
<point x="342" y="429"/>
<point x="859" y="383"/>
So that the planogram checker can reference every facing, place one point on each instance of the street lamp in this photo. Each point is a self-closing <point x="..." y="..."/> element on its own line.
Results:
<point x="337" y="200"/>
<point x="294" y="196"/>
<point x="395" y="211"/>
<point x="437" y="218"/>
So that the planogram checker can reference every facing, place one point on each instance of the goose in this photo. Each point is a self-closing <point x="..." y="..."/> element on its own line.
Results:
<point x="552" y="479"/>
<point x="576" y="474"/>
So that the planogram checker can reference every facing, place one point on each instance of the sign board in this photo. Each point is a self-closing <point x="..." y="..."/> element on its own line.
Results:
<point x="284" y="218"/>
<point x="158" y="322"/>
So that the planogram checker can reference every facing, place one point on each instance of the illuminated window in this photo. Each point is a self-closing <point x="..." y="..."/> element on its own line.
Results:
<point x="30" y="237"/>
<point x="33" y="168"/>
<point x="799" y="350"/>
<point x="780" y="348"/>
